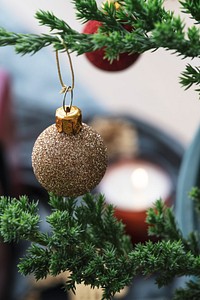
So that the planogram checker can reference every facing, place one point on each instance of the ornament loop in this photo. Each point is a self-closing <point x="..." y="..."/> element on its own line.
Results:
<point x="67" y="89"/>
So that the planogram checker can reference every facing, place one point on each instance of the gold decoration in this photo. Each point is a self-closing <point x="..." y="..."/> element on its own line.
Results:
<point x="119" y="135"/>
<point x="117" y="5"/>
<point x="69" y="158"/>
<point x="69" y="120"/>
<point x="69" y="165"/>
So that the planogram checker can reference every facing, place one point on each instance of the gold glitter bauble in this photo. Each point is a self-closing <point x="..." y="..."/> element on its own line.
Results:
<point x="67" y="164"/>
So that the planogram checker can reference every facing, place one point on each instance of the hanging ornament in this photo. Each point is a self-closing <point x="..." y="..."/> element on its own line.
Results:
<point x="97" y="57"/>
<point x="69" y="158"/>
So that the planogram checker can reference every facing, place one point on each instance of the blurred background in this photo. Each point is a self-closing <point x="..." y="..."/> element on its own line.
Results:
<point x="156" y="117"/>
<point x="149" y="89"/>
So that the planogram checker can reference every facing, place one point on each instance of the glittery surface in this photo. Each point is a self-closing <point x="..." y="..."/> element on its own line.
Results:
<point x="69" y="165"/>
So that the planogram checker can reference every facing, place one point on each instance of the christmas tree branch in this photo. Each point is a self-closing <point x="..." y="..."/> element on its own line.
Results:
<point x="192" y="8"/>
<point x="192" y="291"/>
<point x="55" y="24"/>
<point x="19" y="220"/>
<point x="27" y="43"/>
<point x="195" y="196"/>
<point x="166" y="259"/>
<point x="191" y="76"/>
<point x="87" y="241"/>
<point x="83" y="239"/>
<point x="152" y="26"/>
<point x="88" y="10"/>
<point x="162" y="224"/>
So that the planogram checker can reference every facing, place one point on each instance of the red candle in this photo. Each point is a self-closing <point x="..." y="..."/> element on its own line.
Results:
<point x="132" y="186"/>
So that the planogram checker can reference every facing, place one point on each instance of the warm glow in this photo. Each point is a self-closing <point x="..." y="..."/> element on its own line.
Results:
<point x="139" y="178"/>
<point x="135" y="185"/>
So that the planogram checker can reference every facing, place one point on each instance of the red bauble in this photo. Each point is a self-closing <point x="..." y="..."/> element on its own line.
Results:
<point x="97" y="57"/>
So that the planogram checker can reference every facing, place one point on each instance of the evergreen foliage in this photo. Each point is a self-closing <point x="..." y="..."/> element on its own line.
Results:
<point x="192" y="291"/>
<point x="87" y="241"/>
<point x="153" y="27"/>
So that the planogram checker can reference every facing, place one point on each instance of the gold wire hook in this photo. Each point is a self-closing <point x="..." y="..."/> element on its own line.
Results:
<point x="65" y="89"/>
<point x="67" y="108"/>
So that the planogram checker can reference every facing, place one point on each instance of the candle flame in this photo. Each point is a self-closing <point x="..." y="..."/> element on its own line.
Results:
<point x="140" y="178"/>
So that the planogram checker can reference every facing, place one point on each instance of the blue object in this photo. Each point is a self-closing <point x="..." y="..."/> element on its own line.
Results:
<point x="189" y="177"/>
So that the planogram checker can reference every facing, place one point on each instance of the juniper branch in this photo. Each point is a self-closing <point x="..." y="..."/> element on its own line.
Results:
<point x="19" y="220"/>
<point x="153" y="27"/>
<point x="191" y="291"/>
<point x="172" y="36"/>
<point x="88" y="10"/>
<point x="167" y="259"/>
<point x="162" y="223"/>
<point x="142" y="14"/>
<point x="191" y="7"/>
<point x="49" y="19"/>
<point x="28" y="43"/>
<point x="194" y="194"/>
<point x="191" y="76"/>
<point x="90" y="243"/>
